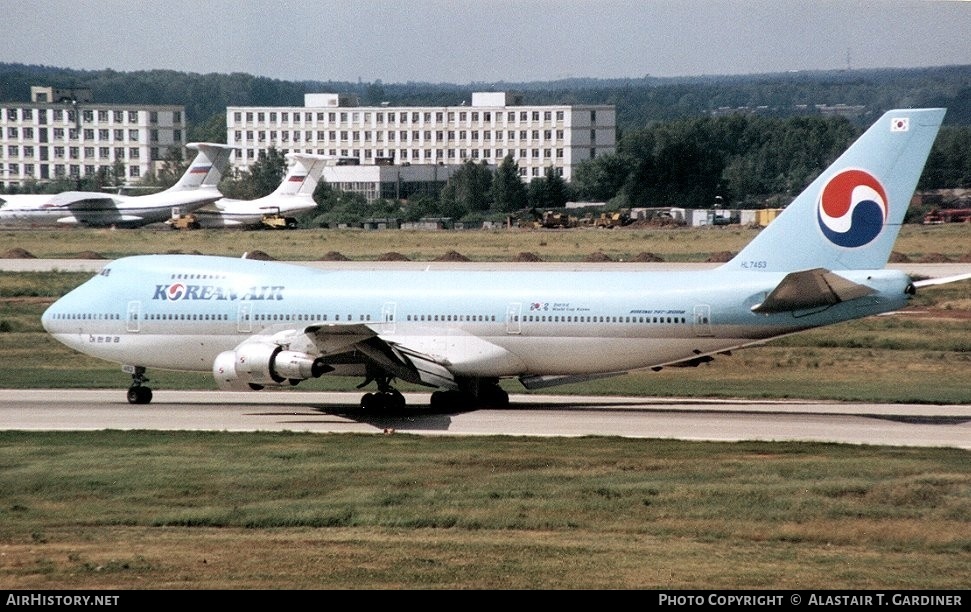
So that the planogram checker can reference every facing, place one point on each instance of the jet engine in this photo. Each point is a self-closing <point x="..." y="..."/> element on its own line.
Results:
<point x="255" y="366"/>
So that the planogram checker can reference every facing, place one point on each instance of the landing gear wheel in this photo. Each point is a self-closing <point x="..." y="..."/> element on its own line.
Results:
<point x="452" y="401"/>
<point x="139" y="395"/>
<point x="137" y="392"/>
<point x="387" y="397"/>
<point x="495" y="397"/>
<point x="391" y="400"/>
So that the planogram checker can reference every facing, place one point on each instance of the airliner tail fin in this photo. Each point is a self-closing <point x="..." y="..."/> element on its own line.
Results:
<point x="207" y="169"/>
<point x="849" y="217"/>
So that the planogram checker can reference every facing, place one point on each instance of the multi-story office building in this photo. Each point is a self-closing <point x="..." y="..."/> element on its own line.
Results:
<point x="492" y="127"/>
<point x="62" y="134"/>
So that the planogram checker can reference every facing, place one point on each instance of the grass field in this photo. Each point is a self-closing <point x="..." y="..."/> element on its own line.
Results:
<point x="169" y="510"/>
<point x="916" y="242"/>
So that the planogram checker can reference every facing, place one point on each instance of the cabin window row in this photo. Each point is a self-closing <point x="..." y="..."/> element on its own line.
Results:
<point x="596" y="319"/>
<point x="185" y="317"/>
<point x="304" y="317"/>
<point x="462" y="318"/>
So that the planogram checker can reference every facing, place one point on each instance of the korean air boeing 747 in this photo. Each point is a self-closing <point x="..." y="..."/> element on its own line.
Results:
<point x="261" y="324"/>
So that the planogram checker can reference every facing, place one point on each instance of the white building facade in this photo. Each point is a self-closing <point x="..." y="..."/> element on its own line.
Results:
<point x="54" y="137"/>
<point x="493" y="126"/>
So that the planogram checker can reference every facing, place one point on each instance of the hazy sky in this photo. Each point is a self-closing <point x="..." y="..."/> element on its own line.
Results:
<point x="468" y="41"/>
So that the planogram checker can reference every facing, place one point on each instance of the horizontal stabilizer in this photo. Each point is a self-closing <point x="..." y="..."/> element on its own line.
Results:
<point x="810" y="289"/>
<point x="942" y="280"/>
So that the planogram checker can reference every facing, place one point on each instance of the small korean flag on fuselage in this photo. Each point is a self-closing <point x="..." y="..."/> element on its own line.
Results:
<point x="899" y="124"/>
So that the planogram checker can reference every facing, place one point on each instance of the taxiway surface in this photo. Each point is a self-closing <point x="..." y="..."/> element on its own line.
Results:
<point x="528" y="415"/>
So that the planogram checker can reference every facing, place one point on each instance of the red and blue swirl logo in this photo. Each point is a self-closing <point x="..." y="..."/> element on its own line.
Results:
<point x="175" y="291"/>
<point x="852" y="208"/>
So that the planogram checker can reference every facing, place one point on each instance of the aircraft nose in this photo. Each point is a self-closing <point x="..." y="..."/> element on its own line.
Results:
<point x="47" y="318"/>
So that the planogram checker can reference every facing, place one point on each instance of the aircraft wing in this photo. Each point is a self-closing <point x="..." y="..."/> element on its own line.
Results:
<point x="81" y="201"/>
<point x="810" y="289"/>
<point x="358" y="343"/>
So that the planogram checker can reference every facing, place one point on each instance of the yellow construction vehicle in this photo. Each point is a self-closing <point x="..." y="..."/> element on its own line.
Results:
<point x="275" y="220"/>
<point x="183" y="222"/>
<point x="610" y="220"/>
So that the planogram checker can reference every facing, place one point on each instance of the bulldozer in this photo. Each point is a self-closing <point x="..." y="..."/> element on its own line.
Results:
<point x="610" y="220"/>
<point x="184" y="222"/>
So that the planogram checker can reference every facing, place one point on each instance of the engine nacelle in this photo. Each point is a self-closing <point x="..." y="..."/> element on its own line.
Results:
<point x="255" y="366"/>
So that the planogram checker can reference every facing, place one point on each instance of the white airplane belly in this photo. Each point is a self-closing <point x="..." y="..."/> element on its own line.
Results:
<point x="554" y="355"/>
<point x="153" y="351"/>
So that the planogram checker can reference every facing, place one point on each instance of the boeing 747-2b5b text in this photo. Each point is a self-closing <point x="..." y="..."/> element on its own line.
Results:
<point x="197" y="187"/>
<point x="260" y="324"/>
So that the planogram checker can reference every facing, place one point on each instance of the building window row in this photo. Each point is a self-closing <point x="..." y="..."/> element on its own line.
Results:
<point x="395" y="117"/>
<point x="413" y="136"/>
<point x="21" y="115"/>
<point x="421" y="155"/>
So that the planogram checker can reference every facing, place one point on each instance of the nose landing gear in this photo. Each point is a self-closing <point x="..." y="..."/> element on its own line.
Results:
<point x="137" y="393"/>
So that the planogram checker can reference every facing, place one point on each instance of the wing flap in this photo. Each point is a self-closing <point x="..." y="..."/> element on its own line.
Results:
<point x="810" y="289"/>
<point x="395" y="359"/>
<point x="331" y="338"/>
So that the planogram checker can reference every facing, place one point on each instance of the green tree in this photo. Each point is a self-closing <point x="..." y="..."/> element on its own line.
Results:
<point x="601" y="178"/>
<point x="262" y="178"/>
<point x="211" y="130"/>
<point x="551" y="191"/>
<point x="508" y="190"/>
<point x="172" y="168"/>
<point x="340" y="207"/>
<point x="469" y="189"/>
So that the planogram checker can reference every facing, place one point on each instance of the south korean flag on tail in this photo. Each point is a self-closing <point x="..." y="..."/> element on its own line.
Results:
<point x="899" y="124"/>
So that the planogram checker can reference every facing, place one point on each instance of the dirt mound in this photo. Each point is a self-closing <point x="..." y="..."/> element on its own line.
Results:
<point x="720" y="257"/>
<point x="453" y="256"/>
<point x="334" y="256"/>
<point x="935" y="258"/>
<point x="598" y="256"/>
<point x="647" y="257"/>
<point x="18" y="253"/>
<point x="180" y="252"/>
<point x="89" y="255"/>
<point x="527" y="256"/>
<point x="257" y="255"/>
<point x="392" y="256"/>
<point x="897" y="257"/>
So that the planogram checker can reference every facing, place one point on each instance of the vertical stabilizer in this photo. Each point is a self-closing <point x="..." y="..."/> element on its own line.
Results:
<point x="207" y="169"/>
<point x="849" y="217"/>
<point x="303" y="174"/>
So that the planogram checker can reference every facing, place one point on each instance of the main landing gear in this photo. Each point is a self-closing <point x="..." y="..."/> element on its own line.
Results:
<point x="137" y="393"/>
<point x="472" y="394"/>
<point x="386" y="399"/>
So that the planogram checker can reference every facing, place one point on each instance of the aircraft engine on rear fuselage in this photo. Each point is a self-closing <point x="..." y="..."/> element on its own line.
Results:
<point x="255" y="366"/>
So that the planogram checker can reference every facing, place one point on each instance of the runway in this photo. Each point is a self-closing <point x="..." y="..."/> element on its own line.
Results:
<point x="528" y="415"/>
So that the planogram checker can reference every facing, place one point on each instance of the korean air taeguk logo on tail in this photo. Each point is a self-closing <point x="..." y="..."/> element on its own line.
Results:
<point x="852" y="208"/>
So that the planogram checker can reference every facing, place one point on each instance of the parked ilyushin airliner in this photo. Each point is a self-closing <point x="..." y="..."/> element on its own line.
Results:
<point x="259" y="324"/>
<point x="197" y="187"/>
<point x="293" y="196"/>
